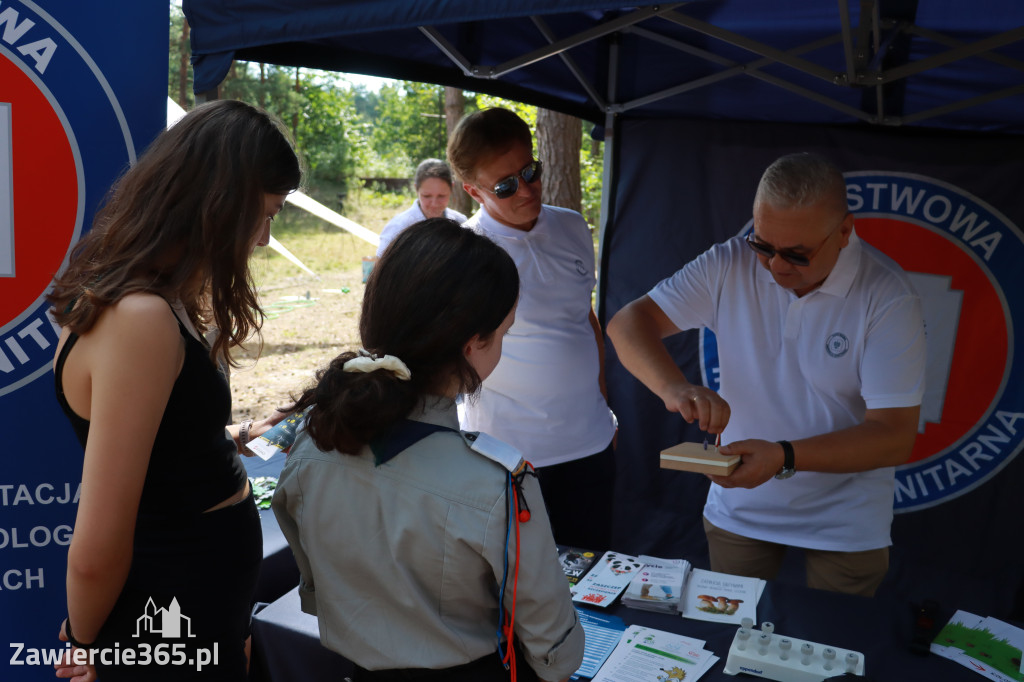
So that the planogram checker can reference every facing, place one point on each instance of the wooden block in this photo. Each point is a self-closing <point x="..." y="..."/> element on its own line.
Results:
<point x="693" y="457"/>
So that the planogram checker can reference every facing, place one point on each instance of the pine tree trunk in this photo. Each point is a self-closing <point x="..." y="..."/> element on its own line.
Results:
<point x="454" y="109"/>
<point x="559" y="139"/>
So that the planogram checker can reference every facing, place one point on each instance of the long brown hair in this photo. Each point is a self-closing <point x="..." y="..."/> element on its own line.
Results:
<point x="180" y="223"/>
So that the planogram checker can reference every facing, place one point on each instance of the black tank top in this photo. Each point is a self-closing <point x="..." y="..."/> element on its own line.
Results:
<point x="194" y="463"/>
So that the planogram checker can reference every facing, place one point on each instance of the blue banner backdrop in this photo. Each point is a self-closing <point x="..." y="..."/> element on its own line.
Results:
<point x="79" y="100"/>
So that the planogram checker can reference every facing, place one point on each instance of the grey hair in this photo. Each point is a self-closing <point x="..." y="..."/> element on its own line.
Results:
<point x="802" y="179"/>
<point x="432" y="168"/>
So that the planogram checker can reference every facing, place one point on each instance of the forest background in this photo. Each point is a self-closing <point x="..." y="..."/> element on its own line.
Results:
<point x="360" y="147"/>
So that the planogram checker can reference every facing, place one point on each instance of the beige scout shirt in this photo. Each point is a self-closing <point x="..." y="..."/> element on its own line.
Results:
<point x="401" y="563"/>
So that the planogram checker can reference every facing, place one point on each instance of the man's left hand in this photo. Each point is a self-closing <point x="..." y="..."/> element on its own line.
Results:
<point x="760" y="460"/>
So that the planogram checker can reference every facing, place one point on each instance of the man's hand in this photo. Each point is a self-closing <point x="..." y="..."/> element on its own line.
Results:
<point x="698" y="404"/>
<point x="760" y="460"/>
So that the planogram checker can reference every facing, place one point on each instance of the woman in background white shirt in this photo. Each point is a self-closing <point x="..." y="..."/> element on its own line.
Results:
<point x="433" y="184"/>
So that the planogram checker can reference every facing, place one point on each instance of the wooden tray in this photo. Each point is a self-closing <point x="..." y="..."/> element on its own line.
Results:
<point x="693" y="457"/>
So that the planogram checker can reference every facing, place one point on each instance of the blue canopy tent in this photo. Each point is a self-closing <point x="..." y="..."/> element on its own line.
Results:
<point x="694" y="100"/>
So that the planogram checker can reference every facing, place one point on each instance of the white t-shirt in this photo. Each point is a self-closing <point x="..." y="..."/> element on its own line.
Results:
<point x="410" y="216"/>
<point x="794" y="367"/>
<point x="544" y="397"/>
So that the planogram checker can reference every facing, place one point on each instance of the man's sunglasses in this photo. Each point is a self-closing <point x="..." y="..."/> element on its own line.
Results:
<point x="792" y="257"/>
<point x="503" y="189"/>
<point x="769" y="252"/>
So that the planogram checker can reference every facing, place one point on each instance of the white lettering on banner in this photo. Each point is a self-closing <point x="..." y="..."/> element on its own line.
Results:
<point x="38" y="536"/>
<point x="966" y="462"/>
<point x="936" y="209"/>
<point x="40" y="50"/>
<point x="44" y="493"/>
<point x="36" y="341"/>
<point x="17" y="579"/>
<point x="35" y="656"/>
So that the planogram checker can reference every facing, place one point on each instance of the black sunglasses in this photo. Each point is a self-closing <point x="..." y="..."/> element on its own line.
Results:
<point x="793" y="258"/>
<point x="503" y="189"/>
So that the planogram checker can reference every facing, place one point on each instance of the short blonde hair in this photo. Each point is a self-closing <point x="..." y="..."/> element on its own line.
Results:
<point x="483" y="135"/>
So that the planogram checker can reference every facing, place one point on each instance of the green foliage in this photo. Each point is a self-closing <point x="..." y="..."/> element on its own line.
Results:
<point x="177" y="20"/>
<point x="346" y="132"/>
<point x="591" y="177"/>
<point x="412" y="115"/>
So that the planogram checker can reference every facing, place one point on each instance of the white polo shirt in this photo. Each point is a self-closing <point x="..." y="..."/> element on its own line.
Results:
<point x="544" y="397"/>
<point x="410" y="216"/>
<point x="794" y="367"/>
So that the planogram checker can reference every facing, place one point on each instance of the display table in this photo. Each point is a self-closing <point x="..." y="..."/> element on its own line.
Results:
<point x="286" y="645"/>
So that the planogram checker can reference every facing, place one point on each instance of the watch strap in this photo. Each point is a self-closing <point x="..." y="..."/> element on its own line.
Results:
<point x="788" y="458"/>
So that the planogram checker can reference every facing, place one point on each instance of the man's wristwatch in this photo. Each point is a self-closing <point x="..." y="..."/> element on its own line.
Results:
<point x="788" y="465"/>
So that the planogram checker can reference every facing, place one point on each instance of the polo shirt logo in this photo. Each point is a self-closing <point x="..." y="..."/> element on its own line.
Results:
<point x="580" y="267"/>
<point x="837" y="345"/>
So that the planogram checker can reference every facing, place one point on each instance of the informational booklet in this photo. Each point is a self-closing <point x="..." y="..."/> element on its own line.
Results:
<point x="720" y="597"/>
<point x="648" y="655"/>
<point x="277" y="438"/>
<point x="575" y="563"/>
<point x="988" y="646"/>
<point x="602" y="632"/>
<point x="607" y="579"/>
<point x="658" y="586"/>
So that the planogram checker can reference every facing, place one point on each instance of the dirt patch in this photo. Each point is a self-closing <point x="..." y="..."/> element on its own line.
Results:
<point x="309" y="322"/>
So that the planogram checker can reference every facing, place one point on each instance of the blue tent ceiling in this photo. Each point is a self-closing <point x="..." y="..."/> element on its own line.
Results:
<point x="931" y="63"/>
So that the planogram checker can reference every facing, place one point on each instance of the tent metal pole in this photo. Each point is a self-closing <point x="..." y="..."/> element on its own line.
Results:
<point x="781" y="56"/>
<point x="608" y="180"/>
<point x="953" y="42"/>
<point x="963" y="104"/>
<point x="734" y="70"/>
<point x="448" y="49"/>
<point x="598" y="31"/>
<point x="571" y="64"/>
<point x="847" y="32"/>
<point x="968" y="50"/>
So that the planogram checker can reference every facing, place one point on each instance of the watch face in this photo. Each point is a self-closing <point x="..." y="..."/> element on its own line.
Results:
<point x="785" y="473"/>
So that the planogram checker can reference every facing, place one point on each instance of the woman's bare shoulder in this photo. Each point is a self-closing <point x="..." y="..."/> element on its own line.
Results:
<point x="141" y="316"/>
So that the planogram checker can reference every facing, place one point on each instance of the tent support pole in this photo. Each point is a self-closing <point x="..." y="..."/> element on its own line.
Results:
<point x="608" y="178"/>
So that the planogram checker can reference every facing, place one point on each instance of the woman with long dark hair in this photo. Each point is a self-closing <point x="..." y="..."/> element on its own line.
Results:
<point x="167" y="541"/>
<point x="425" y="552"/>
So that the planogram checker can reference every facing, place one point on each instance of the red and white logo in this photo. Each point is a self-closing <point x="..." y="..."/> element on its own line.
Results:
<point x="61" y="133"/>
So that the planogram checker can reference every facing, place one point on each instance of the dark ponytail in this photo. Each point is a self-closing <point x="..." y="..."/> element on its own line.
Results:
<point x="436" y="286"/>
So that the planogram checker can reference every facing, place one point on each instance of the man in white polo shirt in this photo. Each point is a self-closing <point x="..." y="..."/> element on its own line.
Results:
<point x="822" y="356"/>
<point x="546" y="396"/>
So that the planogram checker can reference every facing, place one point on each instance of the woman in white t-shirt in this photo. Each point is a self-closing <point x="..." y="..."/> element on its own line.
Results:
<point x="433" y="184"/>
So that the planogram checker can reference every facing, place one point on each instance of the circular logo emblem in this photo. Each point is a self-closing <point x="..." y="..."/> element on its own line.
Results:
<point x="837" y="345"/>
<point x="580" y="267"/>
<point x="62" y="137"/>
<point x="963" y="257"/>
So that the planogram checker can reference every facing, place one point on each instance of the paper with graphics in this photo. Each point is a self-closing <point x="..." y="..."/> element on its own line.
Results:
<point x="720" y="597"/>
<point x="607" y="579"/>
<point x="648" y="655"/>
<point x="988" y="646"/>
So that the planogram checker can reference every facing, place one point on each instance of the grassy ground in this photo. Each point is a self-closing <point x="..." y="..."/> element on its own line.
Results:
<point x="309" y="319"/>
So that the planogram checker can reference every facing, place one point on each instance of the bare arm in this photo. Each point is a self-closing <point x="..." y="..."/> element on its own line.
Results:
<point x="884" y="439"/>
<point x="637" y="331"/>
<point x="128" y="363"/>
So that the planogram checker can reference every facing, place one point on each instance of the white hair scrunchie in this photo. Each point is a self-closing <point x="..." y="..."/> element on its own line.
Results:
<point x="367" y="362"/>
